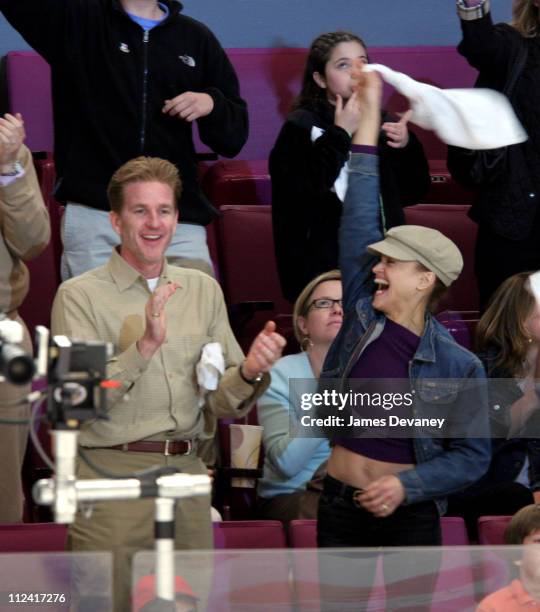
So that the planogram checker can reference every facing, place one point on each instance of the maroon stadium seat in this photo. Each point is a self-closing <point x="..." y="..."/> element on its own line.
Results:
<point x="491" y="529"/>
<point x="444" y="189"/>
<point x="249" y="534"/>
<point x="44" y="269"/>
<point x="33" y="537"/>
<point x="238" y="182"/>
<point x="248" y="271"/>
<point x="303" y="533"/>
<point x="453" y="222"/>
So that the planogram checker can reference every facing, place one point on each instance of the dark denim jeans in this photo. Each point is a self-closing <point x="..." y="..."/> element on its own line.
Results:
<point x="340" y="523"/>
<point x="347" y="578"/>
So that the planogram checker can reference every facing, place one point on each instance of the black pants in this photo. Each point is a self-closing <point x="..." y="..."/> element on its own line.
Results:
<point x="347" y="578"/>
<point x="497" y="258"/>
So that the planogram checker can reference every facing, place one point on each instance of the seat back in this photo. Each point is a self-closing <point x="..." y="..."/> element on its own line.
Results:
<point x="33" y="537"/>
<point x="454" y="531"/>
<point x="453" y="221"/>
<point x="44" y="269"/>
<point x="238" y="182"/>
<point x="248" y="266"/>
<point x="302" y="533"/>
<point x="29" y="92"/>
<point x="249" y="534"/>
<point x="248" y="270"/>
<point x="462" y="326"/>
<point x="491" y="529"/>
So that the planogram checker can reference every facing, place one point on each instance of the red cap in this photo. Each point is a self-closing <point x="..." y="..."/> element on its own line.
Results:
<point x="145" y="590"/>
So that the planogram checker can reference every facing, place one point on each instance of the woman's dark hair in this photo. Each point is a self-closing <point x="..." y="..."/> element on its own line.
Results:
<point x="311" y="95"/>
<point x="437" y="293"/>
<point x="502" y="326"/>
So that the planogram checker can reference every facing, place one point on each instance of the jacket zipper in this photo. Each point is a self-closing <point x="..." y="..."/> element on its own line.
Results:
<point x="357" y="352"/>
<point x="146" y="37"/>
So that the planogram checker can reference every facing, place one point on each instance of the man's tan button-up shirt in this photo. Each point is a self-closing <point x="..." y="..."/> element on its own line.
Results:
<point x="24" y="232"/>
<point x="158" y="397"/>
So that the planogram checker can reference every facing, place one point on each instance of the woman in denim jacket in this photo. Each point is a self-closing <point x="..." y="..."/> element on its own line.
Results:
<point x="391" y="491"/>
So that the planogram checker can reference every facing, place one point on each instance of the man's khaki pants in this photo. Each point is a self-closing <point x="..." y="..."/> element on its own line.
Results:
<point x="13" y="439"/>
<point x="126" y="527"/>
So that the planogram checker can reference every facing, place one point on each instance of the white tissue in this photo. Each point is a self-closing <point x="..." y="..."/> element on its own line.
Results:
<point x="209" y="369"/>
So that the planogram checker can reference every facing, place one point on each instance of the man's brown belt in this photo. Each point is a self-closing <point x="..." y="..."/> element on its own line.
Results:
<point x="167" y="447"/>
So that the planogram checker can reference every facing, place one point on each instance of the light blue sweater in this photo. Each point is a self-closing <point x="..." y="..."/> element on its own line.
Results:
<point x="289" y="462"/>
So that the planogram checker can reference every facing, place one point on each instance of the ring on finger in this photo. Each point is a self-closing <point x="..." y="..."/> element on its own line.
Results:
<point x="385" y="507"/>
<point x="156" y="315"/>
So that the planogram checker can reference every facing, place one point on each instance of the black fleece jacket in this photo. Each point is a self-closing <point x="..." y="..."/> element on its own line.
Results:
<point x="509" y="204"/>
<point x="110" y="81"/>
<point x="306" y="212"/>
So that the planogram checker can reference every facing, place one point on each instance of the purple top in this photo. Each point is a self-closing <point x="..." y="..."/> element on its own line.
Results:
<point x="386" y="357"/>
<point x="370" y="150"/>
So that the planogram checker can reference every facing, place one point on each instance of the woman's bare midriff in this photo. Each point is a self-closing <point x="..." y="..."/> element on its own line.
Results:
<point x="357" y="470"/>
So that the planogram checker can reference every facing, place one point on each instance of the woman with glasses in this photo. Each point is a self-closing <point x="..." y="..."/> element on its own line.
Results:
<point x="290" y="463"/>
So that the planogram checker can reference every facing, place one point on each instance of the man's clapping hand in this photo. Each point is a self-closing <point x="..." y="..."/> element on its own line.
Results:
<point x="265" y="350"/>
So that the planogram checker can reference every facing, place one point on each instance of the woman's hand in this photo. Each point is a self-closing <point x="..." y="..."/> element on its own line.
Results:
<point x="397" y="132"/>
<point x="348" y="116"/>
<point x="382" y="496"/>
<point x="369" y="93"/>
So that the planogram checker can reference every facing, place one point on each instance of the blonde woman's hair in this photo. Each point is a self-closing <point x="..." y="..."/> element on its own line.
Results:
<point x="503" y="324"/>
<point x="301" y="306"/>
<point x="526" y="18"/>
<point x="143" y="170"/>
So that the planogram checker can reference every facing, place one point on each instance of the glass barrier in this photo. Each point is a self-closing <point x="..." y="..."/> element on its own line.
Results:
<point x="341" y="580"/>
<point x="56" y="582"/>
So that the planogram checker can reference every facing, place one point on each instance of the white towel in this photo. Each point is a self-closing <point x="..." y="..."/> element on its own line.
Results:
<point x="469" y="118"/>
<point x="209" y="369"/>
<point x="534" y="283"/>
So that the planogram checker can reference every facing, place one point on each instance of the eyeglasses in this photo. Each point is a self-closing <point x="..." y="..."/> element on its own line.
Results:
<point x="325" y="303"/>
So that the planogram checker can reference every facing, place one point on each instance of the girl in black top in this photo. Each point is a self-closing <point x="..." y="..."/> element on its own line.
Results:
<point x="311" y="152"/>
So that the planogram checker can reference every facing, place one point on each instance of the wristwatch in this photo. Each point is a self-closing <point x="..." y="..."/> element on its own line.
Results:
<point x="14" y="169"/>
<point x="470" y="13"/>
<point x="254" y="381"/>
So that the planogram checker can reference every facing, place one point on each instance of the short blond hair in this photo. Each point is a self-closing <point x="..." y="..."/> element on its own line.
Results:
<point x="526" y="18"/>
<point x="301" y="306"/>
<point x="143" y="170"/>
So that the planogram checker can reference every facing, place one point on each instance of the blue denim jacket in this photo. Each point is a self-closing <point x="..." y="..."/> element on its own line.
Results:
<point x="443" y="465"/>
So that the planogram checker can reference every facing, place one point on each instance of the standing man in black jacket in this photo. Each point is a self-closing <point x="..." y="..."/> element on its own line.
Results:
<point x="129" y="77"/>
